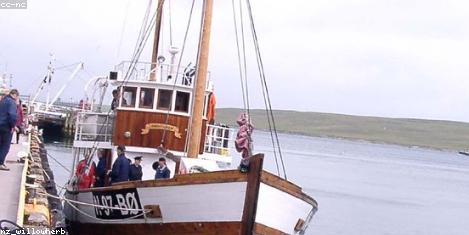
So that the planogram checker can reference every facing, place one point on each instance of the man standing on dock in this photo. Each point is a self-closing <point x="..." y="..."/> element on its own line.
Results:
<point x="7" y="124"/>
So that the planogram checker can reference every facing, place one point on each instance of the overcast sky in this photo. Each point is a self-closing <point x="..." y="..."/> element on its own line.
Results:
<point x="392" y="58"/>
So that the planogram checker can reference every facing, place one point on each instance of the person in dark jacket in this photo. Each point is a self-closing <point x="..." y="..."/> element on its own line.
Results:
<point x="19" y="120"/>
<point x="136" y="172"/>
<point x="162" y="171"/>
<point x="8" y="118"/>
<point x="115" y="100"/>
<point x="100" y="173"/>
<point x="121" y="167"/>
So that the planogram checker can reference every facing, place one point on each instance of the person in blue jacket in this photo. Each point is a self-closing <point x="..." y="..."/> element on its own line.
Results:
<point x="136" y="172"/>
<point x="162" y="171"/>
<point x="121" y="167"/>
<point x="7" y="124"/>
<point x="100" y="172"/>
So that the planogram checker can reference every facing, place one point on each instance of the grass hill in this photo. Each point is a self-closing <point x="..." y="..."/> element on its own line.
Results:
<point x="446" y="135"/>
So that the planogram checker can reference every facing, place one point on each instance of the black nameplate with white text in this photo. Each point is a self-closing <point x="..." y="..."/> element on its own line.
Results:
<point x="122" y="198"/>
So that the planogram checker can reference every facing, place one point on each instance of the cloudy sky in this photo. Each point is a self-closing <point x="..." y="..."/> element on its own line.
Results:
<point x="392" y="58"/>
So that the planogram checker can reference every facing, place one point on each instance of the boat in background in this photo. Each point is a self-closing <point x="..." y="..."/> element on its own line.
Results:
<point x="160" y="116"/>
<point x="47" y="114"/>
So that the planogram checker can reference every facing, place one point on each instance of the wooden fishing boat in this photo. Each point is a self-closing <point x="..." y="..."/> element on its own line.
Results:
<point x="160" y="117"/>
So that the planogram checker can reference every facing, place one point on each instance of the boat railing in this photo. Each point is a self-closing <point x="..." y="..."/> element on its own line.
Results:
<point x="39" y="106"/>
<point x="218" y="139"/>
<point x="164" y="73"/>
<point x="93" y="127"/>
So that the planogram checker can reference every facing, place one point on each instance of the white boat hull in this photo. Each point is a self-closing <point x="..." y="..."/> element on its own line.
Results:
<point x="226" y="202"/>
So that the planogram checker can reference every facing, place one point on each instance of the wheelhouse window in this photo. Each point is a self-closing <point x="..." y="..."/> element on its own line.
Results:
<point x="164" y="99"/>
<point x="182" y="102"/>
<point x="147" y="96"/>
<point x="129" y="96"/>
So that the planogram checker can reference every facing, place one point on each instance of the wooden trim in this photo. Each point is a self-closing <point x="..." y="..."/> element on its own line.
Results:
<point x="252" y="194"/>
<point x="260" y="229"/>
<point x="286" y="186"/>
<point x="215" y="177"/>
<point x="134" y="121"/>
<point x="155" y="211"/>
<point x="299" y="225"/>
<point x="186" y="179"/>
<point x="228" y="228"/>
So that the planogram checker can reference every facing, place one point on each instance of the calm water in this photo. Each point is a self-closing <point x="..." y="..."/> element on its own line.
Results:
<point x="364" y="188"/>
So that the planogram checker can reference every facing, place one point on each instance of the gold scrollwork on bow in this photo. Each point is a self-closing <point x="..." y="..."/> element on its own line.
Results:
<point x="160" y="126"/>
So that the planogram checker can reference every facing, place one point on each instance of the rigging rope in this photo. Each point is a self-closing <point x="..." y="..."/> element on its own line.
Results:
<point x="66" y="66"/>
<point x="136" y="55"/>
<point x="244" y="60"/>
<point x="178" y="68"/>
<point x="142" y="28"/>
<point x="265" y="90"/>
<point x="244" y="76"/>
<point x="170" y="24"/>
<point x="239" y="56"/>
<point x="123" y="28"/>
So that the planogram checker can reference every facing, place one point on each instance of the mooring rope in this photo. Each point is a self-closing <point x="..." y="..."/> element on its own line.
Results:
<point x="8" y="230"/>
<point x="60" y="164"/>
<point x="91" y="205"/>
<point x="72" y="202"/>
<point x="105" y="220"/>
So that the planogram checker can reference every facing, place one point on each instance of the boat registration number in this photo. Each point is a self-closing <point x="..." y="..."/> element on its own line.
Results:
<point x="126" y="199"/>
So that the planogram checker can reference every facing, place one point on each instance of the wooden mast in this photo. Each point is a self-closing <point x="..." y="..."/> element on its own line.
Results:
<point x="201" y="80"/>
<point x="156" y="41"/>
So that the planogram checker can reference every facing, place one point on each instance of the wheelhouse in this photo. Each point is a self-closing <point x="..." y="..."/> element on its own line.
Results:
<point x="156" y="113"/>
<point x="150" y="114"/>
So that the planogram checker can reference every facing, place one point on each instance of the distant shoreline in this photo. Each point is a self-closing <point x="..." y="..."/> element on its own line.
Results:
<point x="364" y="140"/>
<point x="411" y="133"/>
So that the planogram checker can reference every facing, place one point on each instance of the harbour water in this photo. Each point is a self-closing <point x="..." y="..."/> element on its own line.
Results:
<point x="361" y="187"/>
